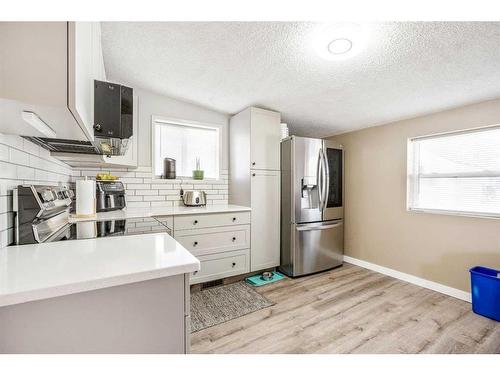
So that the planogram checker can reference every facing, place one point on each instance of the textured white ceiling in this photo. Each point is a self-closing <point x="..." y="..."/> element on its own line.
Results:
<point x="405" y="70"/>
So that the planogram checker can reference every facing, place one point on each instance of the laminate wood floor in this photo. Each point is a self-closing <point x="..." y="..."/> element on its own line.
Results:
<point x="353" y="310"/>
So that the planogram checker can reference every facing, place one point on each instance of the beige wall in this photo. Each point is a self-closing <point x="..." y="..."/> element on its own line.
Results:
<point x="440" y="248"/>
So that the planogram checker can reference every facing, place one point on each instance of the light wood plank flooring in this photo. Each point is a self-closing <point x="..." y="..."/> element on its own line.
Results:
<point x="353" y="310"/>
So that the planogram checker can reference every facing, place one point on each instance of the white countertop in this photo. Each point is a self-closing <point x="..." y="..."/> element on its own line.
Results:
<point x="129" y="213"/>
<point x="39" y="271"/>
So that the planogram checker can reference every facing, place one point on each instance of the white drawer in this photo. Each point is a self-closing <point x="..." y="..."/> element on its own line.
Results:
<point x="218" y="266"/>
<point x="214" y="240"/>
<point x="182" y="222"/>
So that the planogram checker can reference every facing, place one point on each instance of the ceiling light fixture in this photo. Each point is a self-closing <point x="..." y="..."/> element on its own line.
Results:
<point x="339" y="41"/>
<point x="339" y="46"/>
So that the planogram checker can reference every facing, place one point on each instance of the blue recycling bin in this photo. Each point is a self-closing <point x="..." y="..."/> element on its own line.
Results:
<point x="485" y="287"/>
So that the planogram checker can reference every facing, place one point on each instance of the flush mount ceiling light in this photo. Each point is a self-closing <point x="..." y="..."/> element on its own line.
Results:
<point x="339" y="46"/>
<point x="339" y="41"/>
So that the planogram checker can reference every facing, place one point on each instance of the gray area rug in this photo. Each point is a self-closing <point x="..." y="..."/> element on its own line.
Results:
<point x="217" y="305"/>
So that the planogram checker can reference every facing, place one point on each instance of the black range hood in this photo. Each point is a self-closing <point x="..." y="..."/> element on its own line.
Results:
<point x="113" y="124"/>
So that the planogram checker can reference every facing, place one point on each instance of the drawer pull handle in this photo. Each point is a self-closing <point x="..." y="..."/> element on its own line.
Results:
<point x="234" y="219"/>
<point x="234" y="264"/>
<point x="195" y="222"/>
<point x="234" y="239"/>
<point x="195" y="243"/>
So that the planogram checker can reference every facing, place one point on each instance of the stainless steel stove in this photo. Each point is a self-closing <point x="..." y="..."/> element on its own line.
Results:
<point x="42" y="215"/>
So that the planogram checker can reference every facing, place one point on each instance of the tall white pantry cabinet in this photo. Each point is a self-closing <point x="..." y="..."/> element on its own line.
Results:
<point x="254" y="180"/>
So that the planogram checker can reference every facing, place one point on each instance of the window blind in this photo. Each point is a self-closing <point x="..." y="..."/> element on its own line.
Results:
<point x="456" y="172"/>
<point x="185" y="143"/>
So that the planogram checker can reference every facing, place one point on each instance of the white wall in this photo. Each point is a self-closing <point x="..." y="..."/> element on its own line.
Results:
<point x="379" y="229"/>
<point x="156" y="105"/>
<point x="23" y="162"/>
<point x="142" y="188"/>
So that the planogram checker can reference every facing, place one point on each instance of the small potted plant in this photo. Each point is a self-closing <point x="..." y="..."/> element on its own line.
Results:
<point x="198" y="173"/>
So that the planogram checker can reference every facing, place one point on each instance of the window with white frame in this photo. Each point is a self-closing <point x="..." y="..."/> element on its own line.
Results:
<point x="186" y="142"/>
<point x="455" y="172"/>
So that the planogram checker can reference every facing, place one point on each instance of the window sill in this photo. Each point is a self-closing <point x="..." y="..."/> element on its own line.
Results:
<point x="477" y="215"/>
<point x="188" y="180"/>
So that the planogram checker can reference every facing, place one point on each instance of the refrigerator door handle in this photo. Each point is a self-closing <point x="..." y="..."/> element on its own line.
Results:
<point x="327" y="179"/>
<point x="318" y="227"/>
<point x="319" y="177"/>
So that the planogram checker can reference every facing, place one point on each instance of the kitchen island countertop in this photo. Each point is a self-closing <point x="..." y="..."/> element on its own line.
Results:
<point x="40" y="271"/>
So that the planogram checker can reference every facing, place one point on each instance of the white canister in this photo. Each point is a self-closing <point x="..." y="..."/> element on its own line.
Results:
<point x="85" y="198"/>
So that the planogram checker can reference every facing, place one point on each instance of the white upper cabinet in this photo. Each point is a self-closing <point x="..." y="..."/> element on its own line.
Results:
<point x="97" y="57"/>
<point x="265" y="137"/>
<point x="82" y="70"/>
<point x="254" y="170"/>
<point x="48" y="68"/>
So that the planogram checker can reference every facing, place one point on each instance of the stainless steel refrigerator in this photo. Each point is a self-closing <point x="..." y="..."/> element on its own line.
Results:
<point x="312" y="212"/>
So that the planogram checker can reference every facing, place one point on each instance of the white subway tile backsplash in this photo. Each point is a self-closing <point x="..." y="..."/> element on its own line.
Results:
<point x="24" y="162"/>
<point x="25" y="173"/>
<point x="131" y="180"/>
<point x="149" y="198"/>
<point x="138" y="204"/>
<point x="161" y="186"/>
<point x="134" y="198"/>
<point x="163" y="181"/>
<point x="146" y="192"/>
<point x="172" y="197"/>
<point x="141" y="169"/>
<point x="12" y="141"/>
<point x="4" y="152"/>
<point x="137" y="186"/>
<point x="30" y="147"/>
<point x="143" y="174"/>
<point x="8" y="170"/>
<point x="169" y="191"/>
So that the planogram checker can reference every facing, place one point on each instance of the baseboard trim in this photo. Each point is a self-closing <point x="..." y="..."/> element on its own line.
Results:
<point x="457" y="293"/>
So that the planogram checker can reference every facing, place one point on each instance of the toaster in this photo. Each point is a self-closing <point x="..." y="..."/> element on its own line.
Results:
<point x="194" y="198"/>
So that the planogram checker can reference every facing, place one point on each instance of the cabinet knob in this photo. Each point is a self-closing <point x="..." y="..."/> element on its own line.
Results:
<point x="195" y="222"/>
<point x="234" y="219"/>
<point x="234" y="264"/>
<point x="253" y="174"/>
<point x="195" y="243"/>
<point x="253" y="163"/>
<point x="234" y="239"/>
<point x="97" y="127"/>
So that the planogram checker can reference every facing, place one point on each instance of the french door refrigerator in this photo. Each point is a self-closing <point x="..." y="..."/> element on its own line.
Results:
<point x="312" y="212"/>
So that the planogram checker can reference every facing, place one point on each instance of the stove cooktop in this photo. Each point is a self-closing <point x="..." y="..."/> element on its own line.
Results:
<point x="109" y="228"/>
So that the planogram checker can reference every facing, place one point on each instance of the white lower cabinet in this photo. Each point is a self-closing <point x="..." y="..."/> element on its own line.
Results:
<point x="220" y="265"/>
<point x="221" y="242"/>
<point x="214" y="240"/>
